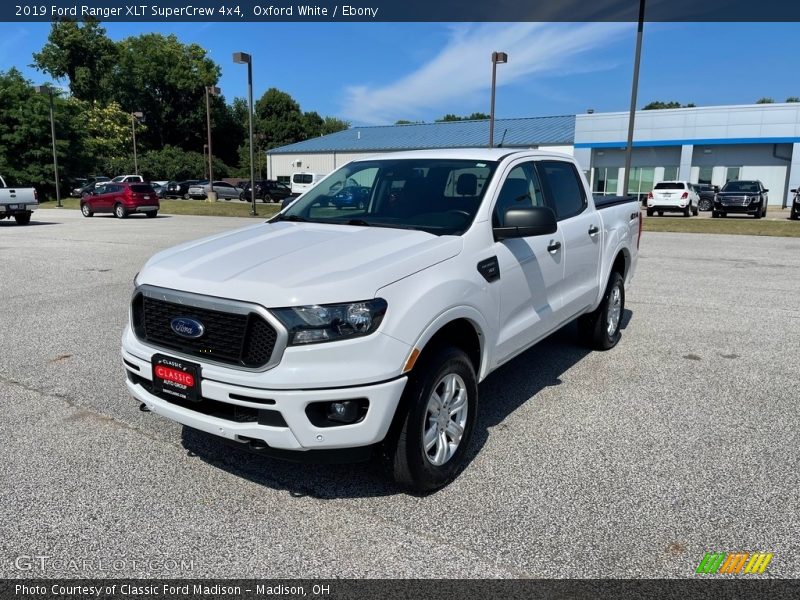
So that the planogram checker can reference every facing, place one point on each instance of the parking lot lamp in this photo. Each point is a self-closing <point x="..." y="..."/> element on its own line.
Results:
<point x="502" y="58"/>
<point x="46" y="89"/>
<point x="210" y="91"/>
<point x="134" y="116"/>
<point x="243" y="58"/>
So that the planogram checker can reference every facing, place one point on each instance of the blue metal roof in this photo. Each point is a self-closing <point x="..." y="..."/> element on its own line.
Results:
<point x="533" y="131"/>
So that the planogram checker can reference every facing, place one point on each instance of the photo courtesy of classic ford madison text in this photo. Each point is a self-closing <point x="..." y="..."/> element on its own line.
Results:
<point x="314" y="303"/>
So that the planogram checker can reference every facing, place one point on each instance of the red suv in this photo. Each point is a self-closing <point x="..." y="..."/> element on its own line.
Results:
<point x="121" y="199"/>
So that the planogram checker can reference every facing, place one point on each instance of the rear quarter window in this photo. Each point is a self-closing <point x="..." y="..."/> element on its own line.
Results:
<point x="563" y="186"/>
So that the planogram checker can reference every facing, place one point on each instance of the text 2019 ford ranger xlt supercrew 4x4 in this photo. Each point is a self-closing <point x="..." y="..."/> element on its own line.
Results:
<point x="326" y="328"/>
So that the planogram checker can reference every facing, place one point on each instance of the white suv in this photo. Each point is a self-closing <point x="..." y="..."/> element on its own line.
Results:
<point x="673" y="196"/>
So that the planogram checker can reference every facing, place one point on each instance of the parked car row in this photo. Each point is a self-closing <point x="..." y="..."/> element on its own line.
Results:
<point x="736" y="197"/>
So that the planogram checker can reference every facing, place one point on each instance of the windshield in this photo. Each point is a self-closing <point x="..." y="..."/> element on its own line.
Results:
<point x="741" y="186"/>
<point x="440" y="196"/>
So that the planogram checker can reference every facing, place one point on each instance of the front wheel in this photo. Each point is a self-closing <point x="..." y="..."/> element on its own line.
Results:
<point x="440" y="403"/>
<point x="86" y="211"/>
<point x="600" y="329"/>
<point x="759" y="213"/>
<point x="120" y="212"/>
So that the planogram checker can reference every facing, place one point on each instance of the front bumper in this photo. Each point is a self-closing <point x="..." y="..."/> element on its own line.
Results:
<point x="298" y="434"/>
<point x="750" y="209"/>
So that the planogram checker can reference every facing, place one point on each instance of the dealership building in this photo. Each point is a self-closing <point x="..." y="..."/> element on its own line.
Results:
<point x="710" y="145"/>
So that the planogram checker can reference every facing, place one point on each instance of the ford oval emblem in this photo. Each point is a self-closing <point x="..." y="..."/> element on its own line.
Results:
<point x="186" y="327"/>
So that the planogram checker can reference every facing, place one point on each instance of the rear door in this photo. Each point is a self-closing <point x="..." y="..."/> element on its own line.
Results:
<point x="580" y="225"/>
<point x="531" y="268"/>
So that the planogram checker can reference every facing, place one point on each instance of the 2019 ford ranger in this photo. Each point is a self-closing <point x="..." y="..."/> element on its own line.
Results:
<point x="330" y="328"/>
<point x="17" y="202"/>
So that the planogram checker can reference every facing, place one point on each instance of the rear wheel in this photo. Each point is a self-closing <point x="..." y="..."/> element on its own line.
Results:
<point x="600" y="329"/>
<point x="119" y="211"/>
<point x="440" y="403"/>
<point x="649" y="212"/>
<point x="661" y="213"/>
<point x="86" y="211"/>
<point x="23" y="218"/>
<point x="704" y="204"/>
<point x="687" y="212"/>
<point x="696" y="211"/>
<point x="152" y="214"/>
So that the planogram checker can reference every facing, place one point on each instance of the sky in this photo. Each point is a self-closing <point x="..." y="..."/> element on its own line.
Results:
<point x="377" y="73"/>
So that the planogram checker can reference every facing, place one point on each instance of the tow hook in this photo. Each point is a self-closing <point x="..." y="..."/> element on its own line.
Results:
<point x="143" y="407"/>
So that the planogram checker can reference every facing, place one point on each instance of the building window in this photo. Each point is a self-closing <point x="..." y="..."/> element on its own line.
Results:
<point x="705" y="175"/>
<point x="731" y="174"/>
<point x="605" y="180"/>
<point x="640" y="180"/>
<point x="670" y="173"/>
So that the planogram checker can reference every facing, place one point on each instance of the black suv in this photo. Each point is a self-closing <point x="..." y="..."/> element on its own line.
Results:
<point x="795" y="214"/>
<point x="178" y="189"/>
<point x="267" y="190"/>
<point x="707" y="193"/>
<point x="744" y="197"/>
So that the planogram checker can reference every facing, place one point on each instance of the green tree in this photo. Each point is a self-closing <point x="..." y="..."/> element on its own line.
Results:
<point x="81" y="52"/>
<point x="173" y="163"/>
<point x="476" y="116"/>
<point x="658" y="105"/>
<point x="107" y="135"/>
<point x="25" y="142"/>
<point x="765" y="100"/>
<point x="793" y="99"/>
<point x="165" y="79"/>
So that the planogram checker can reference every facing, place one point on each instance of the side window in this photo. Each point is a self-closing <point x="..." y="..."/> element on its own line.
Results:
<point x="564" y="188"/>
<point x="520" y="189"/>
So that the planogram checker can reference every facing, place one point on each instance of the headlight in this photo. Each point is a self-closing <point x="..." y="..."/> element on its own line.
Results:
<point x="331" y="322"/>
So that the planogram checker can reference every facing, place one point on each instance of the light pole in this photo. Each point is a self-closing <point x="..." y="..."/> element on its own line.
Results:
<point x="210" y="91"/>
<point x="634" y="90"/>
<point x="205" y="163"/>
<point x="46" y="89"/>
<point x="243" y="58"/>
<point x="502" y="58"/>
<point x="134" y="116"/>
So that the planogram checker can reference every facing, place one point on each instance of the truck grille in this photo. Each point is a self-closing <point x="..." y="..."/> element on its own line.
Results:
<point x="735" y="201"/>
<point x="245" y="340"/>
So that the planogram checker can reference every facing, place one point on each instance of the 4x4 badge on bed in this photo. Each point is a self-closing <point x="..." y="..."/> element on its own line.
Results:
<point x="186" y="327"/>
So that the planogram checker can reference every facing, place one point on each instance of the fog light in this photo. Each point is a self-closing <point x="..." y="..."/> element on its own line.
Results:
<point x="344" y="412"/>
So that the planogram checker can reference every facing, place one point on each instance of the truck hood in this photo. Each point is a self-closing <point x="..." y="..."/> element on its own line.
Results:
<point x="295" y="264"/>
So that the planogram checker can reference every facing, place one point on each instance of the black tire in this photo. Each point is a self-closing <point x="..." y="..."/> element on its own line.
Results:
<point x="152" y="214"/>
<point x="86" y="211"/>
<point x="687" y="212"/>
<point x="649" y="212"/>
<point x="119" y="211"/>
<point x="661" y="213"/>
<point x="759" y="213"/>
<point x="593" y="327"/>
<point x="794" y="216"/>
<point x="267" y="198"/>
<point x="23" y="218"/>
<point x="410" y="463"/>
<point x="696" y="211"/>
<point x="764" y="214"/>
<point x="714" y="214"/>
<point x="705" y="204"/>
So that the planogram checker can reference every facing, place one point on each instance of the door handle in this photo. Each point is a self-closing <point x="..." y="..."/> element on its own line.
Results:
<point x="593" y="230"/>
<point x="554" y="247"/>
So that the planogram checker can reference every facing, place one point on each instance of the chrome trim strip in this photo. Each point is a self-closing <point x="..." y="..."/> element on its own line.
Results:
<point x="222" y="305"/>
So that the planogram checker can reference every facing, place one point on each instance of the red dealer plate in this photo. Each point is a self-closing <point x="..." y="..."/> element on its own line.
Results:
<point x="175" y="378"/>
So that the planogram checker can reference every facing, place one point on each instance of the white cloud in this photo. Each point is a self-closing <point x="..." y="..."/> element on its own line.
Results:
<point x="463" y="66"/>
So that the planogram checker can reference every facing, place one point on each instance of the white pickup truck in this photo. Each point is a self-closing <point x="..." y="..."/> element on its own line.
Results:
<point x="17" y="202"/>
<point x="330" y="329"/>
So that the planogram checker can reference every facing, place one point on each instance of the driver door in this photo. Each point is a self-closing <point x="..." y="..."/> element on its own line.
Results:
<point x="531" y="269"/>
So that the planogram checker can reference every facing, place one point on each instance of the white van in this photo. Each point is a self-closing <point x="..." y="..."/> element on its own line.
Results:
<point x="302" y="182"/>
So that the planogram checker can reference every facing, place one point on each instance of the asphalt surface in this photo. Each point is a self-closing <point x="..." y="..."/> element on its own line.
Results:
<point x="629" y="463"/>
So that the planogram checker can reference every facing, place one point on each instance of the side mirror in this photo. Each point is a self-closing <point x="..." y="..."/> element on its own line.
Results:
<point x="526" y="222"/>
<point x="794" y="191"/>
<point x="765" y="190"/>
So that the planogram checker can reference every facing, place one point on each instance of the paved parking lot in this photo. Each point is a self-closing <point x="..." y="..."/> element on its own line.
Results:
<point x="635" y="462"/>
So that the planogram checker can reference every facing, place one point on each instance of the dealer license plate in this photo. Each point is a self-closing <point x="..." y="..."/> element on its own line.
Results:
<point x="177" y="378"/>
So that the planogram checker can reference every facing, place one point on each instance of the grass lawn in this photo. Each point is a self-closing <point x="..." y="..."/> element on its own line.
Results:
<point x="233" y="208"/>
<point x="734" y="226"/>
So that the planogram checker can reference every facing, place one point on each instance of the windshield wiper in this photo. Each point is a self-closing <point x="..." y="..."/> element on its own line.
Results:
<point x="294" y="218"/>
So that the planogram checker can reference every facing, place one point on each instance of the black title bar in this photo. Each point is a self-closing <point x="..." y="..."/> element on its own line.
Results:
<point x="405" y="10"/>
